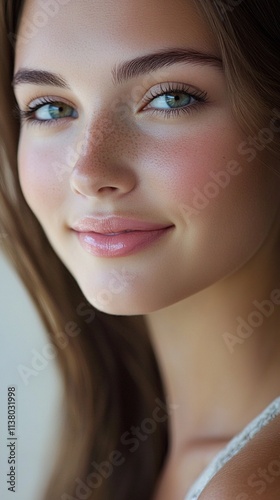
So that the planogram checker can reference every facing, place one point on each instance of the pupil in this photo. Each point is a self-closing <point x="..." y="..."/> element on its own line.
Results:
<point x="181" y="98"/>
<point x="55" y="110"/>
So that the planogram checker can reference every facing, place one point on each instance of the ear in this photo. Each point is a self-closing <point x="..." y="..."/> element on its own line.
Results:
<point x="253" y="473"/>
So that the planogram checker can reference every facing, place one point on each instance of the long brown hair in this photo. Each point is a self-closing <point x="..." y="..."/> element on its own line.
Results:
<point x="110" y="373"/>
<point x="248" y="33"/>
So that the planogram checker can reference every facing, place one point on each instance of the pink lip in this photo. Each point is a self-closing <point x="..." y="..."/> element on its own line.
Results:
<point x="109" y="225"/>
<point x="114" y="236"/>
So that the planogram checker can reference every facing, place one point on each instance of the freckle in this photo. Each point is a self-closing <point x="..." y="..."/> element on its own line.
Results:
<point x="125" y="140"/>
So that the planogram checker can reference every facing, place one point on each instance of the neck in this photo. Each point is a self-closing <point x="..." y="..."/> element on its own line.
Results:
<point x="219" y="349"/>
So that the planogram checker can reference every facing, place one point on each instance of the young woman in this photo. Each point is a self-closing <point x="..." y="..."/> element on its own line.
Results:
<point x="140" y="194"/>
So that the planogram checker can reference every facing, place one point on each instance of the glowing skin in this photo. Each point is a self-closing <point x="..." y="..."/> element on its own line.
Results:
<point x="153" y="163"/>
<point x="192" y="284"/>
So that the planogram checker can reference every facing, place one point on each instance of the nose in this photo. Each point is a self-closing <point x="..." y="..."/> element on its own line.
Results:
<point x="101" y="166"/>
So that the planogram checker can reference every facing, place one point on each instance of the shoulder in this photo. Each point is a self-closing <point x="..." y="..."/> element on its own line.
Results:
<point x="253" y="473"/>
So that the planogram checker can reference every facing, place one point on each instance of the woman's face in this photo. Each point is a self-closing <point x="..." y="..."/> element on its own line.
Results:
<point x="157" y="144"/>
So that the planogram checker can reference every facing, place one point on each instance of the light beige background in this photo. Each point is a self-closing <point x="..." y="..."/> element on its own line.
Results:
<point x="22" y="336"/>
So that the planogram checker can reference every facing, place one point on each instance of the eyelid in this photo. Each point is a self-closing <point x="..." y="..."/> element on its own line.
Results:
<point x="200" y="99"/>
<point x="37" y="103"/>
<point x="172" y="86"/>
<point x="27" y="94"/>
<point x="168" y="85"/>
<point x="53" y="98"/>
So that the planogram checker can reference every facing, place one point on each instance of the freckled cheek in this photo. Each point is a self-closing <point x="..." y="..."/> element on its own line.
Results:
<point x="39" y="177"/>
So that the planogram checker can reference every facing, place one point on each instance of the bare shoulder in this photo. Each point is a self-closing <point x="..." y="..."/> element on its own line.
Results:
<point x="252" y="473"/>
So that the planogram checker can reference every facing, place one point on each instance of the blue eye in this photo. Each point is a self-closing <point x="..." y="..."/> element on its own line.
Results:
<point x="47" y="112"/>
<point x="53" y="111"/>
<point x="174" y="99"/>
<point x="168" y="101"/>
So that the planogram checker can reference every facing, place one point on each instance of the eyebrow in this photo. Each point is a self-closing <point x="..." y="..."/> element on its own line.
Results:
<point x="151" y="62"/>
<point x="126" y="70"/>
<point x="38" y="77"/>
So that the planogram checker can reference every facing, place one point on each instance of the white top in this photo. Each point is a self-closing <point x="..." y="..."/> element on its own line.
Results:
<point x="232" y="448"/>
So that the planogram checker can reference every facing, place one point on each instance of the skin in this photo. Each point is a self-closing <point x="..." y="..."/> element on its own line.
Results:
<point x="193" y="284"/>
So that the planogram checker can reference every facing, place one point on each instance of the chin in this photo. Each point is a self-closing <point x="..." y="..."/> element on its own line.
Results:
<point x="116" y="308"/>
<point x="118" y="305"/>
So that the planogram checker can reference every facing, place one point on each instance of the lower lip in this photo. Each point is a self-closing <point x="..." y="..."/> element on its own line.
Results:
<point x="102" y="245"/>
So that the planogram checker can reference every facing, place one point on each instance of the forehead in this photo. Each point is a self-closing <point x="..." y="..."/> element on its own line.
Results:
<point x="108" y="28"/>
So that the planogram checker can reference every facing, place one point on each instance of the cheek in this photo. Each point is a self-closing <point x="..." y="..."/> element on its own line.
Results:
<point x="39" y="176"/>
<point x="181" y="163"/>
<point x="209" y="189"/>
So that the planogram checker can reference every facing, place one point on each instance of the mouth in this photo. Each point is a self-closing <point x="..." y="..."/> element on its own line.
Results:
<point x="121" y="232"/>
<point x="122" y="243"/>
<point x="111" y="225"/>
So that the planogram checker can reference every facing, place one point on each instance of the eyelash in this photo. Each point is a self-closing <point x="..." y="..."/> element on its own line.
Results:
<point x="201" y="98"/>
<point x="25" y="116"/>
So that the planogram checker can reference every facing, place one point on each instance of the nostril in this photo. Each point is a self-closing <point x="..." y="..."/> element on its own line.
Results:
<point x="107" y="188"/>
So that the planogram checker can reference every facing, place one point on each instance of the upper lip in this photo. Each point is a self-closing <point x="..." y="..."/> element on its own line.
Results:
<point x="114" y="224"/>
